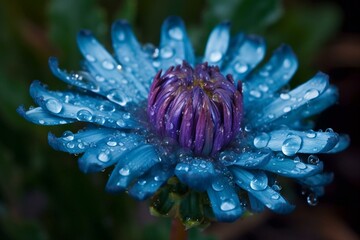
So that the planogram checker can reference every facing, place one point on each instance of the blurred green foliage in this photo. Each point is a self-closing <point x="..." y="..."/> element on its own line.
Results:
<point x="42" y="193"/>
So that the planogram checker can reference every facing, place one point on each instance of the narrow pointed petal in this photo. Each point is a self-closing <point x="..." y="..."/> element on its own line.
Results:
<point x="113" y="79"/>
<point x="175" y="45"/>
<point x="80" y="79"/>
<point x="224" y="200"/>
<point x="291" y="168"/>
<point x="276" y="73"/>
<point x="196" y="173"/>
<point x="109" y="151"/>
<point x="246" y="159"/>
<point x="135" y="164"/>
<point x="81" y="107"/>
<point x="148" y="184"/>
<point x="39" y="116"/>
<point x="78" y="142"/>
<point x="129" y="53"/>
<point x="285" y="104"/>
<point x="217" y="44"/>
<point x="291" y="142"/>
<point x="256" y="183"/>
<point x="245" y="52"/>
<point x="317" y="180"/>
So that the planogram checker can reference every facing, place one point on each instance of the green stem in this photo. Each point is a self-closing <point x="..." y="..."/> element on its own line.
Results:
<point x="178" y="231"/>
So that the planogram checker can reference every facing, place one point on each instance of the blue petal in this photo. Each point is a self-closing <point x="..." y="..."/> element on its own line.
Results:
<point x="81" y="107"/>
<point x="286" y="103"/>
<point x="256" y="205"/>
<point x="343" y="143"/>
<point x="217" y="44"/>
<point x="291" y="142"/>
<point x="224" y="200"/>
<point x="276" y="73"/>
<point x="79" y="142"/>
<point x="317" y="180"/>
<point x="108" y="151"/>
<point x="148" y="184"/>
<point x="114" y="81"/>
<point x="246" y="159"/>
<point x="256" y="183"/>
<point x="80" y="79"/>
<point x="245" y="52"/>
<point x="39" y="116"/>
<point x="129" y="53"/>
<point x="175" y="45"/>
<point x="314" y="106"/>
<point x="133" y="165"/>
<point x="196" y="173"/>
<point x="292" y="168"/>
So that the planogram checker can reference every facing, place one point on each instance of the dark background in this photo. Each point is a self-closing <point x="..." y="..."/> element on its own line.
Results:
<point x="44" y="196"/>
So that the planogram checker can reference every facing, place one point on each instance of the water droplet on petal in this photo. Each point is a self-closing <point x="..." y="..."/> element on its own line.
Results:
<point x="217" y="186"/>
<point x="121" y="123"/>
<point x="117" y="97"/>
<point x="84" y="115"/>
<point x="291" y="145"/>
<point x="312" y="199"/>
<point x="261" y="140"/>
<point x="311" y="94"/>
<point x="99" y="78"/>
<point x="53" y="105"/>
<point x="166" y="52"/>
<point x="287" y="109"/>
<point x="68" y="136"/>
<point x="103" y="157"/>
<point x="241" y="67"/>
<point x="275" y="196"/>
<point x="111" y="143"/>
<point x="255" y="93"/>
<point x="108" y="65"/>
<point x="313" y="159"/>
<point x="176" y="33"/>
<point x="120" y="36"/>
<point x="285" y="96"/>
<point x="227" y="205"/>
<point x="124" y="171"/>
<point x="142" y="182"/>
<point x="259" y="181"/>
<point x="215" y="56"/>
<point x="311" y="134"/>
<point x="301" y="166"/>
<point x="286" y="63"/>
<point x="90" y="58"/>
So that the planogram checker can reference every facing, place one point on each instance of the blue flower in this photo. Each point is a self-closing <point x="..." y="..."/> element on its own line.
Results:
<point x="205" y="137"/>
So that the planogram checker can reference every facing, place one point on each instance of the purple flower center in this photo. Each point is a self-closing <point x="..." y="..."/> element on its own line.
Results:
<point x="198" y="107"/>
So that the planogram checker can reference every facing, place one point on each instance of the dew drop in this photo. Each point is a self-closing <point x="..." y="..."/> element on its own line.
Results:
<point x="275" y="196"/>
<point x="70" y="145"/>
<point x="291" y="145"/>
<point x="124" y="171"/>
<point x="90" y="58"/>
<point x="99" y="78"/>
<point x="227" y="205"/>
<point x="120" y="36"/>
<point x="301" y="166"/>
<point x="156" y="64"/>
<point x="84" y="115"/>
<point x="116" y="97"/>
<point x="103" y="157"/>
<point x="261" y="140"/>
<point x="215" y="56"/>
<point x="142" y="182"/>
<point x="166" y="52"/>
<point x="111" y="143"/>
<point x="287" y="63"/>
<point x="255" y="93"/>
<point x="313" y="159"/>
<point x="53" y="105"/>
<point x="108" y="65"/>
<point x="312" y="199"/>
<point x="241" y="67"/>
<point x="217" y="186"/>
<point x="121" y="123"/>
<point x="311" y="94"/>
<point x="176" y="33"/>
<point x="68" y="136"/>
<point x="285" y="96"/>
<point x="311" y="134"/>
<point x="263" y="87"/>
<point x="259" y="181"/>
<point x="287" y="109"/>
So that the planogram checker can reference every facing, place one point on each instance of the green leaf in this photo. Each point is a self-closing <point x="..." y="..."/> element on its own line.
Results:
<point x="66" y="18"/>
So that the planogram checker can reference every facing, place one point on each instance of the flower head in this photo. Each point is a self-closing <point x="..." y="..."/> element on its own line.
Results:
<point x="205" y="138"/>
